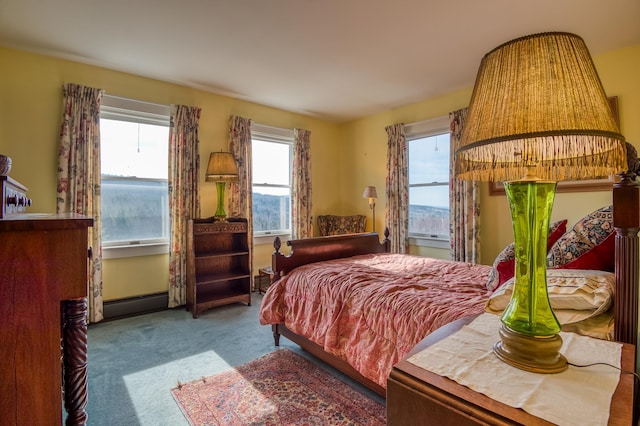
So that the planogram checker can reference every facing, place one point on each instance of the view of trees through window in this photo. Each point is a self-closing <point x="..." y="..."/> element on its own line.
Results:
<point x="428" y="221"/>
<point x="267" y="212"/>
<point x="133" y="209"/>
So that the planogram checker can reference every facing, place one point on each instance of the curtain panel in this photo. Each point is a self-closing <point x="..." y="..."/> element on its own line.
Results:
<point x="464" y="202"/>
<point x="397" y="192"/>
<point x="184" y="193"/>
<point x="240" y="192"/>
<point x="301" y="218"/>
<point x="240" y="201"/>
<point x="78" y="183"/>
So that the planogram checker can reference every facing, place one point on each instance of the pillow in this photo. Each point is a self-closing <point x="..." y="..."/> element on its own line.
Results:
<point x="599" y="326"/>
<point x="575" y="295"/>
<point x="589" y="244"/>
<point x="505" y="263"/>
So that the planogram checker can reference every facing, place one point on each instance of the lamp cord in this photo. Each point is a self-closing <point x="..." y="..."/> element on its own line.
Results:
<point x="636" y="376"/>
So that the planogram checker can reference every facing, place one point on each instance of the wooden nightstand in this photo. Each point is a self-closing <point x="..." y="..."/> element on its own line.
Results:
<point x="264" y="274"/>
<point x="418" y="397"/>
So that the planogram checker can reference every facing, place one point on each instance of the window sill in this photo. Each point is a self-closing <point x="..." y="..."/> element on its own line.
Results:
<point x="429" y="242"/>
<point x="137" y="250"/>
<point x="260" y="239"/>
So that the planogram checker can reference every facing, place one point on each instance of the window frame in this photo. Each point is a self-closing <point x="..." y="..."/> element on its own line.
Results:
<point x="134" y="111"/>
<point x="284" y="136"/>
<point x="419" y="130"/>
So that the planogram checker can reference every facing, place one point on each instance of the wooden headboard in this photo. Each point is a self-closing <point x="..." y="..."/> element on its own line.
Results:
<point x="318" y="249"/>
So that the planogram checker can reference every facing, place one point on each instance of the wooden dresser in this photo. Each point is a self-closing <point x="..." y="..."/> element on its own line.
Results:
<point x="43" y="290"/>
<point x="419" y="397"/>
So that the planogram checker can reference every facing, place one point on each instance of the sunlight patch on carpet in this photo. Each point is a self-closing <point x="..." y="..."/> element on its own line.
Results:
<point x="278" y="388"/>
<point x="142" y="385"/>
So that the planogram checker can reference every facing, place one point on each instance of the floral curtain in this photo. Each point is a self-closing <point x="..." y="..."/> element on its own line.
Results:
<point x="464" y="202"/>
<point x="302" y="221"/>
<point x="78" y="185"/>
<point x="397" y="209"/>
<point x="240" y="200"/>
<point x="184" y="194"/>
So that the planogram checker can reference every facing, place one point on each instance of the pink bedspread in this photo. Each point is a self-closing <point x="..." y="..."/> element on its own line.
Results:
<point x="371" y="310"/>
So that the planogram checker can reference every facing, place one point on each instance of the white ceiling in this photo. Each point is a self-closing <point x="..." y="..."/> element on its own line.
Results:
<point x="333" y="59"/>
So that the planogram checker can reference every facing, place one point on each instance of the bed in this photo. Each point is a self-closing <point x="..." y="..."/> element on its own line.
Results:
<point x="308" y="298"/>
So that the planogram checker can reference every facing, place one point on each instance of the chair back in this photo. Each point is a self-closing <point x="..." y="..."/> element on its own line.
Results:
<point x="339" y="225"/>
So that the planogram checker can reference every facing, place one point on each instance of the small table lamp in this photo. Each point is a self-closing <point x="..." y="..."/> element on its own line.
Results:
<point x="371" y="194"/>
<point x="222" y="168"/>
<point x="538" y="114"/>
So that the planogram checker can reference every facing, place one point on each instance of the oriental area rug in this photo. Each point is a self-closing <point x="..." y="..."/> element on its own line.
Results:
<point x="280" y="388"/>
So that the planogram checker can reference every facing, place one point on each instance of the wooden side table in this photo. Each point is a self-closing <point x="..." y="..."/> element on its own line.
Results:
<point x="264" y="274"/>
<point x="419" y="397"/>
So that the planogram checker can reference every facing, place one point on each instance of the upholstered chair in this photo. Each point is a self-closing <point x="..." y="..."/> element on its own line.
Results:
<point x="338" y="225"/>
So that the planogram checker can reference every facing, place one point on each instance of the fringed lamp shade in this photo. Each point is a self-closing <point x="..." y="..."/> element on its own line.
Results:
<point x="538" y="115"/>
<point x="538" y="106"/>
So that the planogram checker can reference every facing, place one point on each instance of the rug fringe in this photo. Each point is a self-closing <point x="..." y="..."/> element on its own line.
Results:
<point x="180" y="384"/>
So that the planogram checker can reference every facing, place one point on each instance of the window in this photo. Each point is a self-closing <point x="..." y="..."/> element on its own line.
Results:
<point x="272" y="152"/>
<point x="134" y="138"/>
<point x="428" y="157"/>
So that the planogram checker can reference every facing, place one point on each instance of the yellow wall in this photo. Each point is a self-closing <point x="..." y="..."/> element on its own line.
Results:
<point x="345" y="157"/>
<point x="30" y="112"/>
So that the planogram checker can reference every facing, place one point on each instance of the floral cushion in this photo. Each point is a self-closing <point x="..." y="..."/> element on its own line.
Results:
<point x="505" y="263"/>
<point x="338" y="225"/>
<point x="589" y="244"/>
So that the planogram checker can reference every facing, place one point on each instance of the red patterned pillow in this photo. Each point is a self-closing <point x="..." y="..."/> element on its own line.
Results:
<point x="589" y="244"/>
<point x="505" y="264"/>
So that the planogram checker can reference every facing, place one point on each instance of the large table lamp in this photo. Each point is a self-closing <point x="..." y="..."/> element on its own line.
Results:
<point x="222" y="168"/>
<point x="538" y="115"/>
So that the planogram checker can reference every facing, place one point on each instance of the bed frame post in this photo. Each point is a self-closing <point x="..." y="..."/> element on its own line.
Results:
<point x="626" y="220"/>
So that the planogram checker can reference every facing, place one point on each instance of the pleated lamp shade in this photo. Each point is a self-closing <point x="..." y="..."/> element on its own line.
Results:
<point x="370" y="192"/>
<point x="538" y="108"/>
<point x="221" y="168"/>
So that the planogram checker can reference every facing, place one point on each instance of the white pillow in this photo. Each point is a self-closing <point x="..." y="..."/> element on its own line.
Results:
<point x="574" y="294"/>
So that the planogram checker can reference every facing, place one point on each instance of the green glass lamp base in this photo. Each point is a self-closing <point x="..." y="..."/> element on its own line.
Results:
<point x="534" y="354"/>
<point x="529" y="311"/>
<point x="220" y="214"/>
<point x="529" y="331"/>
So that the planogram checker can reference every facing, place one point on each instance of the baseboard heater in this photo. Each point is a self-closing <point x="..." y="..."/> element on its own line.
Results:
<point x="139" y="305"/>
